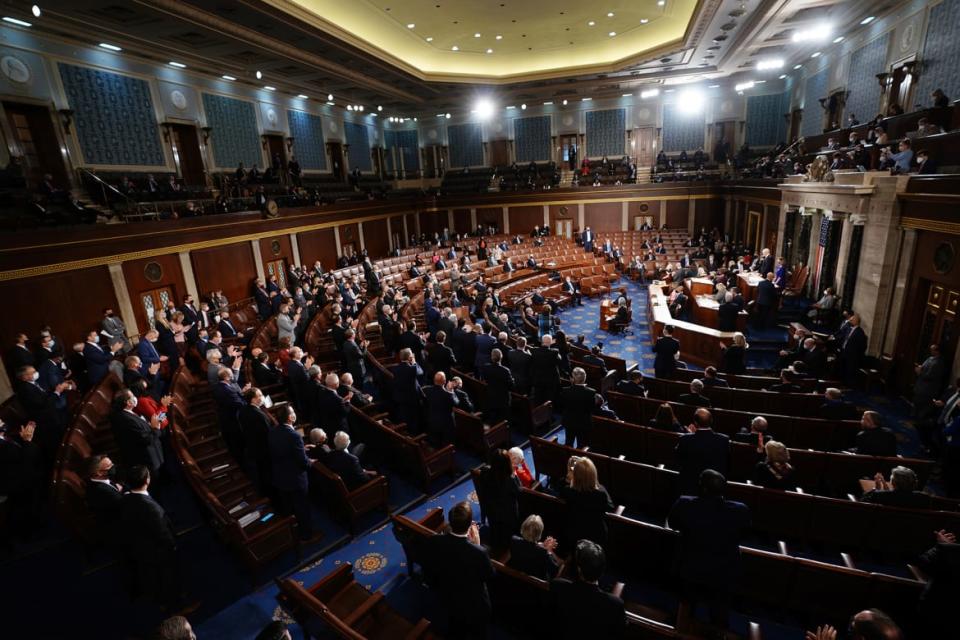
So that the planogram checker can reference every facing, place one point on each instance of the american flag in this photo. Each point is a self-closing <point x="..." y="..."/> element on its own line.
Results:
<point x="821" y="246"/>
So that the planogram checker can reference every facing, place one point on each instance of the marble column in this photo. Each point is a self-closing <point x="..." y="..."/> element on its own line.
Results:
<point x="406" y="231"/>
<point x="546" y="216"/>
<point x="389" y="235"/>
<point x="908" y="248"/>
<point x="580" y="216"/>
<point x="506" y="219"/>
<point x="663" y="212"/>
<point x="363" y="245"/>
<point x="624" y="216"/>
<point x="186" y="267"/>
<point x="473" y="219"/>
<point x="295" y="248"/>
<point x="336" y="239"/>
<point x="124" y="305"/>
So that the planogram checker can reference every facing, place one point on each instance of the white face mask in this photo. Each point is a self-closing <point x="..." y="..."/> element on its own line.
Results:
<point x="35" y="376"/>
<point x="134" y="400"/>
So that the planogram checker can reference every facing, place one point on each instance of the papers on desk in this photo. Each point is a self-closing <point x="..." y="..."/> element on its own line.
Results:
<point x="707" y="302"/>
<point x="248" y="519"/>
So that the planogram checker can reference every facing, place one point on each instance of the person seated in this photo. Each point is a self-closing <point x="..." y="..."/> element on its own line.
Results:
<point x="899" y="491"/>
<point x="775" y="472"/>
<point x="695" y="397"/>
<point x="835" y="407"/>
<point x="666" y="420"/>
<point x="710" y="378"/>
<point x="927" y="128"/>
<point x="826" y="302"/>
<point x="531" y="556"/>
<point x="874" y="439"/>
<point x="786" y="384"/>
<point x="580" y="608"/>
<point x="899" y="162"/>
<point x="345" y="464"/>
<point x="593" y="358"/>
<point x="317" y="447"/>
<point x="925" y="166"/>
<point x="755" y="435"/>
<point x="633" y="386"/>
<point x="621" y="319"/>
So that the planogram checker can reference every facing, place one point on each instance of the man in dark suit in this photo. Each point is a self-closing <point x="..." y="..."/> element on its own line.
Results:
<point x="587" y="239"/>
<point x="148" y="541"/>
<point x="191" y="318"/>
<point x="459" y="569"/>
<point x="256" y="423"/>
<point x="411" y="340"/>
<point x="464" y="345"/>
<point x="355" y="356"/>
<point x="727" y="314"/>
<point x="942" y="565"/>
<point x="755" y="436"/>
<point x="814" y="357"/>
<point x="579" y="608"/>
<point x="578" y="404"/>
<point x="764" y="265"/>
<point x="545" y="371"/>
<point x="666" y="348"/>
<point x="97" y="358"/>
<point x="440" y="357"/>
<point x="835" y="407"/>
<point x="571" y="289"/>
<point x="710" y="530"/>
<point x="137" y="439"/>
<point x="289" y="464"/>
<point x="852" y="350"/>
<point x="767" y="297"/>
<point x="900" y="491"/>
<point x="47" y="408"/>
<point x="332" y="408"/>
<point x="873" y="438"/>
<point x="486" y="342"/>
<point x="519" y="360"/>
<point x="633" y="386"/>
<point x="298" y="379"/>
<point x="346" y="464"/>
<point x="406" y="390"/>
<point x="695" y="397"/>
<point x="786" y="384"/>
<point x="710" y="378"/>
<point x="229" y="401"/>
<point x="440" y="400"/>
<point x="701" y="449"/>
<point x="104" y="496"/>
<point x="500" y="383"/>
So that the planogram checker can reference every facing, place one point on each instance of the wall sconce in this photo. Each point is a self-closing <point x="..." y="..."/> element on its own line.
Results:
<point x="206" y="131"/>
<point x="67" y="116"/>
<point x="290" y="140"/>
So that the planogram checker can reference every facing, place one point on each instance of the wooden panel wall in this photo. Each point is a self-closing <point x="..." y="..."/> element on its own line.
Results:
<point x="461" y="221"/>
<point x="276" y="248"/>
<point x="230" y="267"/>
<point x="396" y="229"/>
<point x="137" y="283"/>
<point x="603" y="216"/>
<point x="677" y="213"/>
<point x="524" y="219"/>
<point x="709" y="214"/>
<point x="71" y="303"/>
<point x="432" y="222"/>
<point x="492" y="216"/>
<point x="375" y="238"/>
<point x="318" y="245"/>
<point x="349" y="233"/>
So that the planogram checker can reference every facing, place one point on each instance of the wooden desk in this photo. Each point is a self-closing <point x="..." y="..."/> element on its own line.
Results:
<point x="606" y="307"/>
<point x="748" y="285"/>
<point x="699" y="344"/>
<point x="699" y="286"/>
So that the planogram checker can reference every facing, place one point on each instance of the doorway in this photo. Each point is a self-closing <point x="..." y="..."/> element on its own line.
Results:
<point x="564" y="228"/>
<point x="499" y="153"/>
<point x="646" y="148"/>
<point x="153" y="300"/>
<point x="336" y="159"/>
<point x="569" y="151"/>
<point x="639" y="221"/>
<point x="430" y="155"/>
<point x="901" y="84"/>
<point x="754" y="223"/>
<point x="276" y="151"/>
<point x="187" y="154"/>
<point x="35" y="138"/>
<point x="726" y="131"/>
<point x="277" y="268"/>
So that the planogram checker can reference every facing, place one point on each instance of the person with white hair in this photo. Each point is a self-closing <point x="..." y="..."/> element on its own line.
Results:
<point x="578" y="404"/>
<point x="545" y="371"/>
<point x="345" y="464"/>
<point x="520" y="468"/>
<point x="532" y="556"/>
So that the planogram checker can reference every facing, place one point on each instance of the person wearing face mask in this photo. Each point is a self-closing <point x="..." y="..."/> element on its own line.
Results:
<point x="97" y="358"/>
<point x="289" y="465"/>
<point x="20" y="355"/>
<point x="22" y="475"/>
<point x="44" y="351"/>
<point x="137" y="440"/>
<point x="104" y="496"/>
<point x="47" y="408"/>
<point x="113" y="329"/>
<point x="191" y="318"/>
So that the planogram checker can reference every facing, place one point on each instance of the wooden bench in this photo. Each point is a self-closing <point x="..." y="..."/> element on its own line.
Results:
<point x="349" y="505"/>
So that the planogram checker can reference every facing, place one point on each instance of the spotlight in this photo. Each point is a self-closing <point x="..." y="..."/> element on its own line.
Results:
<point x="775" y="63"/>
<point x="523" y="106"/>
<point x="329" y="97"/>
<point x="690" y="101"/>
<point x="743" y="86"/>
<point x="259" y="75"/>
<point x="178" y="65"/>
<point x="230" y="78"/>
<point x="816" y="33"/>
<point x="20" y="23"/>
<point x="484" y="109"/>
<point x="35" y="10"/>
<point x="379" y="107"/>
<point x="110" y="47"/>
<point x="649" y="93"/>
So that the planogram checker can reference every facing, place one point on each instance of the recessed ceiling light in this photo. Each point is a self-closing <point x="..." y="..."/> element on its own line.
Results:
<point x="476" y="35"/>
<point x="303" y="97"/>
<point x="818" y="32"/>
<point x="20" y="23"/>
<point x="612" y="34"/>
<point x="714" y="86"/>
<point x="815" y="54"/>
<point x="548" y="102"/>
<point x="523" y="106"/>
<point x="660" y="3"/>
<point x="782" y="76"/>
<point x="627" y="95"/>
<point x="610" y="14"/>
<point x="838" y="39"/>
<point x="760" y="82"/>
<point x="868" y="20"/>
<point x="35" y="10"/>
<point x="455" y="48"/>
<point x="269" y="88"/>
<point x="259" y="74"/>
<point x="499" y="37"/>
<point x="774" y="63"/>
<point x="110" y="47"/>
<point x="489" y="50"/>
<point x="588" y="99"/>
<point x="649" y="93"/>
<point x="447" y="116"/>
<point x="411" y="25"/>
<point x="178" y="65"/>
<point x="564" y="102"/>
<point x="331" y="103"/>
<point x="669" y="90"/>
<point x="511" y="106"/>
<point x="379" y="107"/>
<point x="329" y="97"/>
<point x="230" y="78"/>
<point x="429" y="38"/>
<point x="644" y="21"/>
<point x="797" y="66"/>
<point x="591" y="23"/>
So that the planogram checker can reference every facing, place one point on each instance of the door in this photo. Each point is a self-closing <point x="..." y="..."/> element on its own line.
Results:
<point x="277" y="268"/>
<point x="564" y="228"/>
<point x="499" y="153"/>
<point x="939" y="325"/>
<point x="349" y="249"/>
<point x="429" y="162"/>
<point x="35" y="141"/>
<point x="754" y="224"/>
<point x="639" y="221"/>
<point x="153" y="300"/>
<point x="726" y="131"/>
<point x="336" y="159"/>
<point x="568" y="152"/>
<point x="187" y="154"/>
<point x="276" y="151"/>
<point x="646" y="146"/>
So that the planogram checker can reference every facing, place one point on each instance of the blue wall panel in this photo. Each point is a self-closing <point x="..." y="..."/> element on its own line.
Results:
<point x="408" y="142"/>
<point x="114" y="117"/>
<point x="766" y="126"/>
<point x="466" y="145"/>
<point x="606" y="132"/>
<point x="940" y="53"/>
<point x="814" y="89"/>
<point x="532" y="138"/>
<point x="865" y="64"/>
<point x="235" y="137"/>
<point x="308" y="146"/>
<point x="682" y="131"/>
<point x="359" y="141"/>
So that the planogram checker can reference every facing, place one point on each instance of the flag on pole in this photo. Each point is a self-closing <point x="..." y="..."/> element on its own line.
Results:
<point x="821" y="247"/>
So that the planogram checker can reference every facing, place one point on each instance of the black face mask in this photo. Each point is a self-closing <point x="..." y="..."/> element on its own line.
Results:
<point x="112" y="474"/>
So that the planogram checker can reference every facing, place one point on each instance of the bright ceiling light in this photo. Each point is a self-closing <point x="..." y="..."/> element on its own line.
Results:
<point x="476" y="35"/>
<point x="35" y="10"/>
<point x="19" y="23"/>
<point x="429" y="38"/>
<point x="591" y="23"/>
<point x="743" y="86"/>
<point x="331" y="103"/>
<point x="523" y="106"/>
<point x="269" y="88"/>
<point x="627" y="95"/>
<point x="764" y="65"/>
<point x="815" y="54"/>
<point x="411" y="26"/>
<point x="644" y="21"/>
<point x="499" y="37"/>
<point x="178" y="65"/>
<point x="868" y="19"/>
<point x="587" y="99"/>
<point x="797" y="66"/>
<point x="379" y="107"/>
<point x="650" y="93"/>
<point x="816" y="33"/>
<point x="783" y="76"/>
<point x="303" y="97"/>
<point x="230" y="78"/>
<point x="564" y="102"/>
<point x="610" y="14"/>
<point x="612" y="34"/>
<point x="110" y="47"/>
<point x="714" y="86"/>
<point x="259" y="74"/>
<point x="329" y="97"/>
<point x="511" y="106"/>
<point x="455" y="48"/>
<point x="489" y="50"/>
<point x="660" y="3"/>
<point x="447" y="116"/>
<point x="690" y="101"/>
<point x="360" y="108"/>
<point x="349" y="107"/>
<point x="548" y="103"/>
<point x="838" y="40"/>
<point x="485" y="108"/>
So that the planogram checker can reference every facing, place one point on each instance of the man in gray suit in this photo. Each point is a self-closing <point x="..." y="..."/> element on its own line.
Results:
<point x="287" y="324"/>
<point x="114" y="330"/>
<point x="929" y="381"/>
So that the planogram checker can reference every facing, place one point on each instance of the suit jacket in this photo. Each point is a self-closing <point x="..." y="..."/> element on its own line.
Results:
<point x="765" y="265"/>
<point x="406" y="383"/>
<point x="710" y="531"/>
<point x="459" y="571"/>
<point x="853" y="348"/>
<point x="878" y="441"/>
<point x="229" y="402"/>
<point x="288" y="459"/>
<point x="816" y="361"/>
<point x="147" y="532"/>
<point x="705" y="449"/>
<point x="266" y="375"/>
<point x="582" y="610"/>
<point x="98" y="362"/>
<point x="440" y="404"/>
<point x="714" y="382"/>
<point x="332" y="411"/>
<point x="226" y="328"/>
<point x="696" y="399"/>
<point x="298" y="381"/>
<point x="520" y="362"/>
<point x="499" y="385"/>
<point x="485" y="344"/>
<point x="578" y="403"/>
<point x="766" y="294"/>
<point x="355" y="361"/>
<point x="532" y="559"/>
<point x="545" y="367"/>
<point x="464" y="347"/>
<point x="192" y="318"/>
<point x="256" y="425"/>
<point x="630" y="387"/>
<point x="727" y="314"/>
<point x="347" y="466"/>
<point x="410" y="340"/>
<point x="147" y="353"/>
<point x="137" y="441"/>
<point x="286" y="328"/>
<point x="105" y="502"/>
<point x="440" y="357"/>
<point x="894" y="498"/>
<point x="665" y="362"/>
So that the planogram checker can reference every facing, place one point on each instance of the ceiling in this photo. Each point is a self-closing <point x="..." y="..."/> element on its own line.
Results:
<point x="300" y="52"/>
<point x="484" y="40"/>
